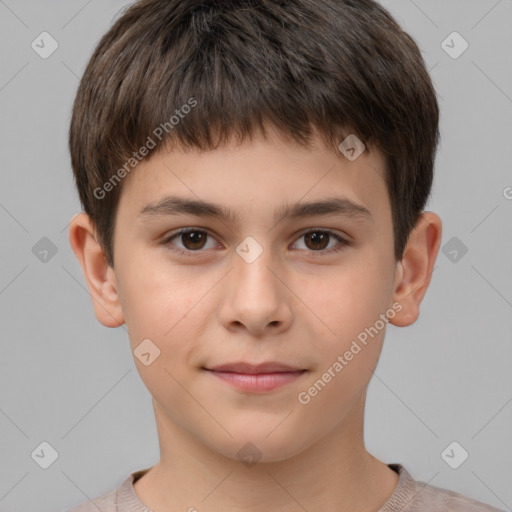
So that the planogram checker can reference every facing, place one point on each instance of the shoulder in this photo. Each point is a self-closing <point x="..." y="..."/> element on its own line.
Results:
<point x="416" y="496"/>
<point x="121" y="499"/>
<point x="432" y="499"/>
<point x="106" y="503"/>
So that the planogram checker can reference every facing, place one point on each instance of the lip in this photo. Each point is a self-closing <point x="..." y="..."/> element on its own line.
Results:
<point x="254" y="369"/>
<point x="256" y="378"/>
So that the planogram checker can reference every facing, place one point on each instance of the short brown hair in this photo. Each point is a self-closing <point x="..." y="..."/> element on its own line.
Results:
<point x="339" y="66"/>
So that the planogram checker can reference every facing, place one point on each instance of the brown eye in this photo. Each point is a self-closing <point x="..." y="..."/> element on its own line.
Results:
<point x="189" y="241"/>
<point x="320" y="241"/>
<point x="193" y="240"/>
<point x="317" y="239"/>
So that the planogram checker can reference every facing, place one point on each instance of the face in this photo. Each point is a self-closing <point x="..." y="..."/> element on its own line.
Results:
<point x="256" y="286"/>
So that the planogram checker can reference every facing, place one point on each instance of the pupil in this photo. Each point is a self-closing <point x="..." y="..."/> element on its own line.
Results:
<point x="317" y="237"/>
<point x="195" y="237"/>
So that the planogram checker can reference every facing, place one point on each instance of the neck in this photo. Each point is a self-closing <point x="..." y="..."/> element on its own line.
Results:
<point x="334" y="473"/>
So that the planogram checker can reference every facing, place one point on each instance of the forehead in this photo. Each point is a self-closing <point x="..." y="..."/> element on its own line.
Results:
<point x="256" y="176"/>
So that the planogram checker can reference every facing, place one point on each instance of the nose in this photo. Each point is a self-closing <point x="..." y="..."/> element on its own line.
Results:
<point x="257" y="297"/>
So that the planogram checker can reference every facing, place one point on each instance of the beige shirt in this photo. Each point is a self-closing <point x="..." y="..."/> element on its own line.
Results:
<point x="409" y="496"/>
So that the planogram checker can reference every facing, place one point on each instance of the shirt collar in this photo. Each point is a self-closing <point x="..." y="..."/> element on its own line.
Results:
<point x="404" y="493"/>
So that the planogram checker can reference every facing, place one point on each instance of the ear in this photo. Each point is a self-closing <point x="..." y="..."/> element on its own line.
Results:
<point x="414" y="270"/>
<point x="100" y="277"/>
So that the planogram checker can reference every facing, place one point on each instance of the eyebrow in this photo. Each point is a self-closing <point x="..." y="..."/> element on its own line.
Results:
<point x="333" y="206"/>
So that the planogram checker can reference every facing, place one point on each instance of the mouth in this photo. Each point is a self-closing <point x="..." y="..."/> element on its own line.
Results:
<point x="255" y="369"/>
<point x="256" y="378"/>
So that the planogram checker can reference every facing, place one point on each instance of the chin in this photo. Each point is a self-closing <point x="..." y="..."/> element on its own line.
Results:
<point x="257" y="446"/>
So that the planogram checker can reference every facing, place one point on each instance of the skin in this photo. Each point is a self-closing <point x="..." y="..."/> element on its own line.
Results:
<point x="292" y="305"/>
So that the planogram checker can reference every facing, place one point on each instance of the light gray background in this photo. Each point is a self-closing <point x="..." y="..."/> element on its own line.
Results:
<point x="69" y="381"/>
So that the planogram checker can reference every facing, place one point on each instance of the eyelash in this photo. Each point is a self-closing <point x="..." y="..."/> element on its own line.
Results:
<point x="342" y="245"/>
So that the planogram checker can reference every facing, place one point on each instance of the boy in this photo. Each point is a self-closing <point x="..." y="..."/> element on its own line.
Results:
<point x="296" y="141"/>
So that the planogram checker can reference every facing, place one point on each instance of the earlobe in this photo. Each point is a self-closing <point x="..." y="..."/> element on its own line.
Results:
<point x="415" y="269"/>
<point x="99" y="276"/>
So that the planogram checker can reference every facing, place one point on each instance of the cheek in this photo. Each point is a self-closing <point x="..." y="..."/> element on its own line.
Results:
<point x="344" y="302"/>
<point x="152" y="292"/>
<point x="161" y="305"/>
<point x="352" y="343"/>
<point x="343" y="378"/>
